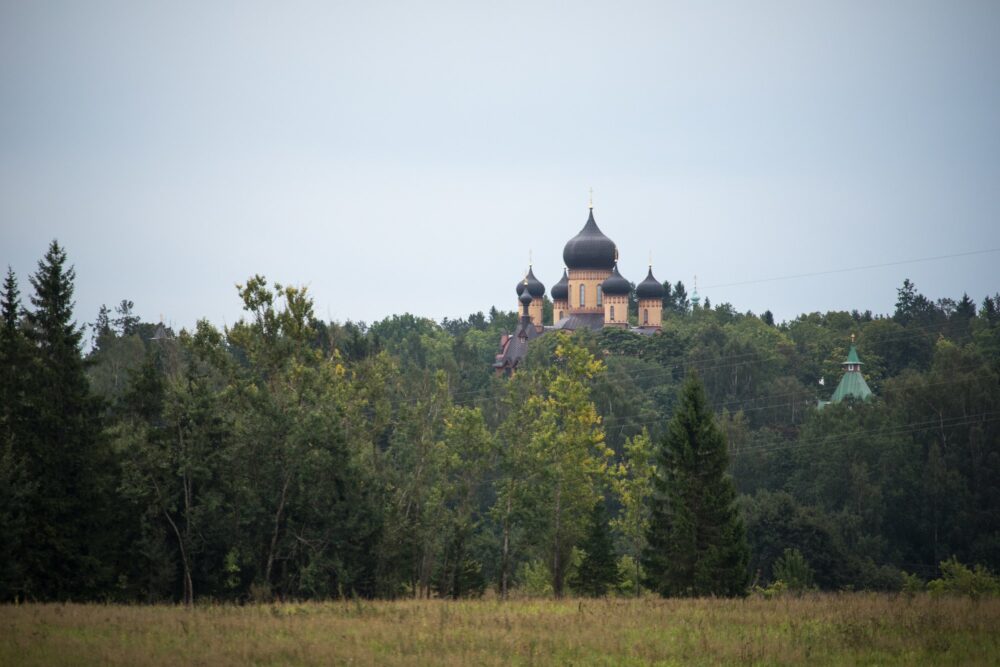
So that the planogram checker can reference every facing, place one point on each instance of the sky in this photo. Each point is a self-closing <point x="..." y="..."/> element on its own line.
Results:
<point x="408" y="156"/>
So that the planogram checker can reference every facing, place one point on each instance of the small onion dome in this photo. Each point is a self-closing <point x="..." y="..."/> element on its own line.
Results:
<point x="615" y="284"/>
<point x="590" y="249"/>
<point x="533" y="285"/>
<point x="560" y="291"/>
<point x="525" y="297"/>
<point x="650" y="288"/>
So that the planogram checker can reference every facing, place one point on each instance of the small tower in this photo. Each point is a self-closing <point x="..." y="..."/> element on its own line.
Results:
<point x="615" y="290"/>
<point x="650" y="294"/>
<point x="560" y="298"/>
<point x="695" y="299"/>
<point x="853" y="382"/>
<point x="536" y="289"/>
<point x="525" y="301"/>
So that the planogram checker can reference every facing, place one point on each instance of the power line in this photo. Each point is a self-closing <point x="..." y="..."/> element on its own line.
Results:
<point x="853" y="268"/>
<point x="951" y="422"/>
<point x="774" y="406"/>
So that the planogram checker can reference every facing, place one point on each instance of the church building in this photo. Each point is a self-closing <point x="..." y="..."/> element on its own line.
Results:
<point x="592" y="294"/>
<point x="852" y="383"/>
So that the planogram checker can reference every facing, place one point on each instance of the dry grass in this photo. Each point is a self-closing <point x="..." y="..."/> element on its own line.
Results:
<point x="817" y="629"/>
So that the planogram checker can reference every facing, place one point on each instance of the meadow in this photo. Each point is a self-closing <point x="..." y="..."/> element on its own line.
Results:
<point x="848" y="628"/>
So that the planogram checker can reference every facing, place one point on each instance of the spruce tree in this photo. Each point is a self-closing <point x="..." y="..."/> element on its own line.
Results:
<point x="62" y="449"/>
<point x="13" y="363"/>
<point x="696" y="539"/>
<point x="16" y="487"/>
<point x="598" y="571"/>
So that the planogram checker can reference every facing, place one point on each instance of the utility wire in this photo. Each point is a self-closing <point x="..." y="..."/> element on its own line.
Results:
<point x="853" y="268"/>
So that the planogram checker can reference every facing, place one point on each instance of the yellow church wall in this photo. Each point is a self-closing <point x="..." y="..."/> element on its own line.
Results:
<point x="591" y="280"/>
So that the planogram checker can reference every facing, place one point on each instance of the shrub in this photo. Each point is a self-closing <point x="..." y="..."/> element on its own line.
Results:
<point x="793" y="570"/>
<point x="912" y="584"/>
<point x="630" y="576"/>
<point x="534" y="578"/>
<point x="957" y="579"/>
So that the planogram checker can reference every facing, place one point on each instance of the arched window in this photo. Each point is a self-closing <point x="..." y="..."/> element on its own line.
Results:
<point x="583" y="295"/>
<point x="600" y="296"/>
<point x="645" y="315"/>
<point x="612" y="313"/>
<point x="560" y="316"/>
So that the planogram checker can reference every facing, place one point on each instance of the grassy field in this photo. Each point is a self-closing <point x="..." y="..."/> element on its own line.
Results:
<point x="816" y="629"/>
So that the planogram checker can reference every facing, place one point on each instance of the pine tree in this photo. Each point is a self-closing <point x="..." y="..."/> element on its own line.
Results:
<point x="696" y="539"/>
<point x="598" y="571"/>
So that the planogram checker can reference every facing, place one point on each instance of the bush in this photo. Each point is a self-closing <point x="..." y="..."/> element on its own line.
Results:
<point x="630" y="575"/>
<point x="957" y="579"/>
<point x="775" y="590"/>
<point x="792" y="569"/>
<point x="534" y="579"/>
<point x="912" y="584"/>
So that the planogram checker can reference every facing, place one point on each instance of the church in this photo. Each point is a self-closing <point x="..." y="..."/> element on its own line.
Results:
<point x="592" y="294"/>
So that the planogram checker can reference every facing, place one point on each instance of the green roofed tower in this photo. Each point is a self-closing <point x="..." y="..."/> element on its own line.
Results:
<point x="853" y="383"/>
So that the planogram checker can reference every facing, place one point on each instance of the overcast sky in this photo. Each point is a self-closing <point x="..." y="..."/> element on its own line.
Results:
<point x="406" y="156"/>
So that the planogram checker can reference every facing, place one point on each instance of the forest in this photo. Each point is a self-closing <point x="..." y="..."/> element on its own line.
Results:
<point x="284" y="457"/>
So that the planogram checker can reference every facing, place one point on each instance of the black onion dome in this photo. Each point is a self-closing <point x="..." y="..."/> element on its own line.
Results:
<point x="560" y="291"/>
<point x="525" y="297"/>
<point x="650" y="288"/>
<point x="535" y="287"/>
<point x="615" y="284"/>
<point x="590" y="249"/>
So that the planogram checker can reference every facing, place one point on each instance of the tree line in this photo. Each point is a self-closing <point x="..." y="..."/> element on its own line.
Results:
<point x="287" y="457"/>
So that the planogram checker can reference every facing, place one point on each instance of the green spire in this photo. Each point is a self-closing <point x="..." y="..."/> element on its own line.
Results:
<point x="853" y="383"/>
<point x="852" y="356"/>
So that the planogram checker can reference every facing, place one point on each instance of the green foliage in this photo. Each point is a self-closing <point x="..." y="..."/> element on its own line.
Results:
<point x="776" y="522"/>
<point x="696" y="539"/>
<point x="912" y="584"/>
<point x="534" y="579"/>
<point x="958" y="579"/>
<point x="285" y="457"/>
<point x="56" y="436"/>
<point x="793" y="570"/>
<point x="775" y="589"/>
<point x="597" y="572"/>
<point x="632" y="482"/>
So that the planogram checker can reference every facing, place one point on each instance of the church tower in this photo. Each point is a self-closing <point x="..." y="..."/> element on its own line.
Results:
<point x="560" y="298"/>
<point x="853" y="382"/>
<point x="589" y="257"/>
<point x="650" y="294"/>
<point x="536" y="289"/>
<point x="616" y="290"/>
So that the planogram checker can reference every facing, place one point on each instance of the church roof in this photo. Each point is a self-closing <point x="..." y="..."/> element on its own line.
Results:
<point x="593" y="321"/>
<point x="560" y="291"/>
<point x="852" y="384"/>
<point x="616" y="284"/>
<point x="590" y="249"/>
<point x="534" y="286"/>
<point x="852" y="356"/>
<point x="650" y="288"/>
